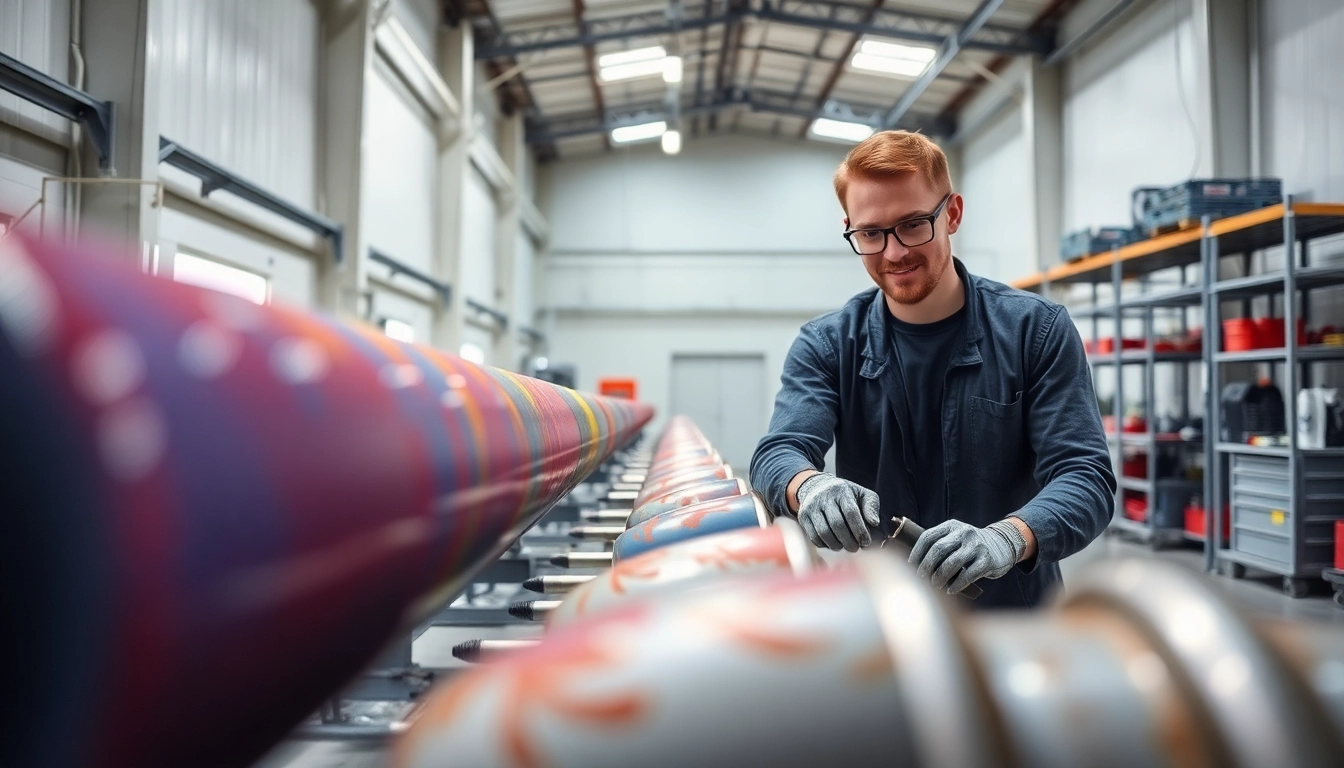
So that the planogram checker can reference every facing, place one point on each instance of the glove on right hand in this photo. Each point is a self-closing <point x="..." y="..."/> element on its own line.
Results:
<point x="837" y="514"/>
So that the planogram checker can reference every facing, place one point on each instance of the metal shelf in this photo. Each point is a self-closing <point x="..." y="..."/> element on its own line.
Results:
<point x="1135" y="484"/>
<point x="1306" y="278"/>
<point x="1184" y="297"/>
<point x="1273" y="354"/>
<point x="1121" y="523"/>
<point x="1277" y="450"/>
<point x="1143" y="439"/>
<point x="1135" y="356"/>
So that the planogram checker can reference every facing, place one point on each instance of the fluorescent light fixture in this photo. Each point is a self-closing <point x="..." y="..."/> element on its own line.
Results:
<point x="399" y="330"/>
<point x="641" y="62"/>
<point x="632" y="70"/>
<point x="641" y="132"/>
<point x="672" y="142"/>
<point x="893" y="58"/>
<point x="472" y="353"/>
<point x="217" y="276"/>
<point x="839" y="129"/>
<point x="627" y="57"/>
<point x="672" y="69"/>
<point x="542" y="363"/>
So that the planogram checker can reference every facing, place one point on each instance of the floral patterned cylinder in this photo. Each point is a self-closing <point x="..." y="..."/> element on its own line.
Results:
<point x="727" y="514"/>
<point x="778" y="547"/>
<point x="716" y="489"/>
<point x="749" y="674"/>
<point x="682" y="466"/>
<point x="219" y="512"/>
<point x="679" y="480"/>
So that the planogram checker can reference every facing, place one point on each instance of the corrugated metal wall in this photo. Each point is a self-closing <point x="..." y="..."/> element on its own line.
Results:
<point x="1302" y="124"/>
<point x="400" y="177"/>
<point x="32" y="140"/>
<point x="1303" y="101"/>
<point x="239" y="83"/>
<point x="36" y="32"/>
<point x="1125" y="119"/>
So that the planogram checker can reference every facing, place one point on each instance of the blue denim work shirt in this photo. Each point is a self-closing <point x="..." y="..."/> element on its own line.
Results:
<point x="1022" y="432"/>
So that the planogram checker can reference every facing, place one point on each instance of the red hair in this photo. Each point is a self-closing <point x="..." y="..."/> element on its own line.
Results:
<point x="888" y="153"/>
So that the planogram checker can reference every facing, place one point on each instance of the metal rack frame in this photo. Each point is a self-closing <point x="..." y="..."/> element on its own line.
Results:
<point x="1291" y="224"/>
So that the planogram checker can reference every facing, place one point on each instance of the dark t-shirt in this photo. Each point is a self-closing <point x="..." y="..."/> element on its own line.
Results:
<point x="922" y="354"/>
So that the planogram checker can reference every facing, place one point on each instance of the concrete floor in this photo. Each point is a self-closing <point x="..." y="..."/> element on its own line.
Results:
<point x="1258" y="595"/>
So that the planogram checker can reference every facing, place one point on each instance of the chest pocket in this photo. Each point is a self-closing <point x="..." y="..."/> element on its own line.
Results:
<point x="998" y="441"/>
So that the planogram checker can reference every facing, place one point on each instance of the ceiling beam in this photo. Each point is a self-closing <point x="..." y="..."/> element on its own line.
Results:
<point x="815" y="14"/>
<point x="839" y="67"/>
<point x="947" y="51"/>
<point x="590" y="60"/>
<point x="1043" y="26"/>
<point x="757" y="100"/>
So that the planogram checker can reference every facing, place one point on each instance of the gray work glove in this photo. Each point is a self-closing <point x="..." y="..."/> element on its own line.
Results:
<point x="836" y="513"/>
<point x="954" y="555"/>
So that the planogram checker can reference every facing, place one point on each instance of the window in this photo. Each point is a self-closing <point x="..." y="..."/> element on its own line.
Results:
<point x="217" y="276"/>
<point x="399" y="330"/>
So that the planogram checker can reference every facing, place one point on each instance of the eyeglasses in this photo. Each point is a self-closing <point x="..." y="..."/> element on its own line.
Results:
<point x="910" y="233"/>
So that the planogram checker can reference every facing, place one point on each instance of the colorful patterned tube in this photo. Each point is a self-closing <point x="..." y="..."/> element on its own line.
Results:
<point x="218" y="512"/>
<point x="674" y="568"/>
<point x="717" y="489"/>
<point x="746" y="511"/>
<point x="1142" y="663"/>
<point x="652" y="489"/>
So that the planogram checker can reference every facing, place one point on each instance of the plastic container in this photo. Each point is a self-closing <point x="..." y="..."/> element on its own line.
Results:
<point x="1239" y="335"/>
<point x="1194" y="521"/>
<point x="1136" y="509"/>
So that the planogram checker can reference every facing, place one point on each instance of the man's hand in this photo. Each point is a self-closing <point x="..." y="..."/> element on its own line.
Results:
<point x="953" y="555"/>
<point x="836" y="513"/>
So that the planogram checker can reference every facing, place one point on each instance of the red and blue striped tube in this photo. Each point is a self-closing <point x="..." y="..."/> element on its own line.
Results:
<point x="219" y="512"/>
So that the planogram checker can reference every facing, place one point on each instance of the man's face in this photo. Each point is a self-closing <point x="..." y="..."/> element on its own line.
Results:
<point x="907" y="275"/>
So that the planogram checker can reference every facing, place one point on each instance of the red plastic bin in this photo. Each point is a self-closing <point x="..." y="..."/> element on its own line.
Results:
<point x="1136" y="509"/>
<point x="1194" y="520"/>
<point x="1239" y="335"/>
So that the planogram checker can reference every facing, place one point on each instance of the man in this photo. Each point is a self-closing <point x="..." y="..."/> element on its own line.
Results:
<point x="955" y="401"/>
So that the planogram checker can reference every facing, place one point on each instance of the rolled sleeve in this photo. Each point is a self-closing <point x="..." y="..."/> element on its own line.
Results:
<point x="1073" y="461"/>
<point x="802" y="426"/>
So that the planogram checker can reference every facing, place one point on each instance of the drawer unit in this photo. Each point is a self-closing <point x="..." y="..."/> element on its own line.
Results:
<point x="1298" y="537"/>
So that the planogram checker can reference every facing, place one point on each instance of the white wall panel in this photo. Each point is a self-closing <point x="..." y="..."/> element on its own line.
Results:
<point x="727" y="248"/>
<point x="240" y="86"/>
<point x="1125" y="123"/>
<point x="1303" y="101"/>
<point x="421" y="20"/>
<point x="477" y="272"/>
<point x="995" y="235"/>
<point x="524" y="277"/>
<point x="400" y="173"/>
<point x="37" y="33"/>
<point x="729" y="194"/>
<point x="1302" y="127"/>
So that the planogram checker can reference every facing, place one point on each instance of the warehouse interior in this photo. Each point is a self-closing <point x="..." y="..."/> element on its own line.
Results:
<point x="603" y="224"/>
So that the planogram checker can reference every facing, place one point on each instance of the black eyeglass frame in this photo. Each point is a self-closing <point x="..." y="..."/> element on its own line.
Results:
<point x="932" y="218"/>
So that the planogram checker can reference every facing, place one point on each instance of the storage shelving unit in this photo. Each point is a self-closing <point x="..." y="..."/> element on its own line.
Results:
<point x="1283" y="499"/>
<point x="1138" y="261"/>
<point x="1284" y="532"/>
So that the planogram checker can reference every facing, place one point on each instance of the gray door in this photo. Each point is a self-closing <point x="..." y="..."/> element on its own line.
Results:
<point x="724" y="395"/>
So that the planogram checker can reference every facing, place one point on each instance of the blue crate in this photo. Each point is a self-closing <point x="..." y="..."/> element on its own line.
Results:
<point x="1086" y="242"/>
<point x="1162" y="207"/>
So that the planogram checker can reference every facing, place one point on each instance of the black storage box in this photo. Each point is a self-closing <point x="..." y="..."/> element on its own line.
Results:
<point x="1248" y="409"/>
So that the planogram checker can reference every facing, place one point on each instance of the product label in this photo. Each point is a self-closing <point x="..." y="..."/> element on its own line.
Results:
<point x="1277" y="517"/>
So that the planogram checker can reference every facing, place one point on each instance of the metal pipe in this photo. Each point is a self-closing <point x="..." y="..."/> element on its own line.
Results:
<point x="1067" y="49"/>
<point x="1141" y="663"/>
<point x="207" y="495"/>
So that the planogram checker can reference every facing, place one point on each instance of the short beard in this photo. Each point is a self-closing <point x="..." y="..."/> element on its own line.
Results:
<point x="917" y="293"/>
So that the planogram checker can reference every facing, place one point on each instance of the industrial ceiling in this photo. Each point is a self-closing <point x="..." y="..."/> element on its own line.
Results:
<point x="765" y="67"/>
